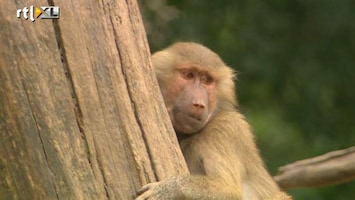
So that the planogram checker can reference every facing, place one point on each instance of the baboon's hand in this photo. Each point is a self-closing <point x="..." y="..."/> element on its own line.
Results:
<point x="149" y="191"/>
<point x="162" y="190"/>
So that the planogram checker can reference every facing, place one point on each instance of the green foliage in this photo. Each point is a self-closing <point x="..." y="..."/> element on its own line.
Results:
<point x="296" y="64"/>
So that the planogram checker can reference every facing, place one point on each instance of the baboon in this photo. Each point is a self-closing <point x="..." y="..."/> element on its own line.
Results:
<point x="217" y="142"/>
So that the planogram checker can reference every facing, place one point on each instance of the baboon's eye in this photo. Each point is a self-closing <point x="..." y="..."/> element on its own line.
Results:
<point x="188" y="74"/>
<point x="207" y="79"/>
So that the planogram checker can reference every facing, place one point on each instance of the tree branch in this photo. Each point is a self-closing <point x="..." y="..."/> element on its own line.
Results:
<point x="331" y="168"/>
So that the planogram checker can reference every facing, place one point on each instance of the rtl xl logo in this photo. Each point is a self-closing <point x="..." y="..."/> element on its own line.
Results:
<point x="42" y="12"/>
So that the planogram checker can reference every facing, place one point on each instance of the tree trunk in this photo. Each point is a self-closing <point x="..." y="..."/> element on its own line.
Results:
<point x="80" y="112"/>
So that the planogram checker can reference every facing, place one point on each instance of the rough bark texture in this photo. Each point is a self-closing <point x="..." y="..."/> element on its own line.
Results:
<point x="80" y="112"/>
<point x="328" y="169"/>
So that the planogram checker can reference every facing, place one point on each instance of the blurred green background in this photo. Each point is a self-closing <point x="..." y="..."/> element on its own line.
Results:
<point x="296" y="64"/>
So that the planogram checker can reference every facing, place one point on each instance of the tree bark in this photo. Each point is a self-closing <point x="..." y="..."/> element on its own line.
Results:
<point x="80" y="112"/>
<point x="331" y="168"/>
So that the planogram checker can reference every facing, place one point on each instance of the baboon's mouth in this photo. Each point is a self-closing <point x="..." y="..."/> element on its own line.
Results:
<point x="188" y="117"/>
<point x="195" y="117"/>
